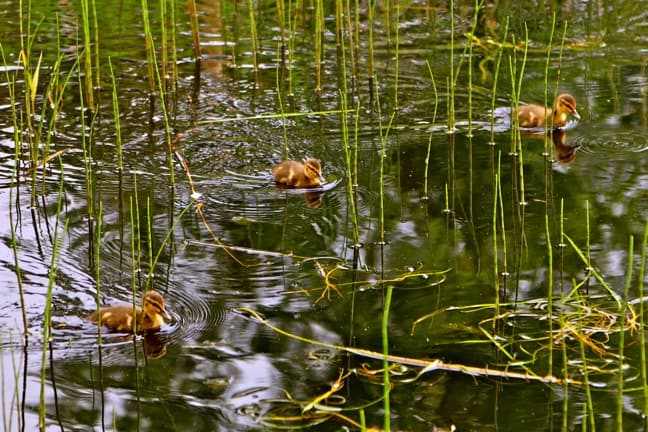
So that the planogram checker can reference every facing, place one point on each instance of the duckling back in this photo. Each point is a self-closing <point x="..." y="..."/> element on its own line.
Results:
<point x="118" y="318"/>
<point x="297" y="174"/>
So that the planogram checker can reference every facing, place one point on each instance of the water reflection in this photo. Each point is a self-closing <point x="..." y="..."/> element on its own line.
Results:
<point x="313" y="198"/>
<point x="565" y="154"/>
<point x="154" y="345"/>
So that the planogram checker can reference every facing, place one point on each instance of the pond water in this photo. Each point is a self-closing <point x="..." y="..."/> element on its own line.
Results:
<point x="452" y="231"/>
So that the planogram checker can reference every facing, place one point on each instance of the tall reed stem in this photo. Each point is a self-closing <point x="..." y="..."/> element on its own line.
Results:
<point x="451" y="83"/>
<point x="622" y="325"/>
<point x="386" y="368"/>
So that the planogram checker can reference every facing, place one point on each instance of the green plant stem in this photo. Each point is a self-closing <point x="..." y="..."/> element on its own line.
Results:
<point x="385" y="352"/>
<point x="642" y="323"/>
<point x="622" y="326"/>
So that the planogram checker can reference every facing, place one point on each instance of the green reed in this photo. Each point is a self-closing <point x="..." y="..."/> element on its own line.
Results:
<point x="115" y="104"/>
<point x="292" y="28"/>
<point x="149" y="244"/>
<point x="385" y="351"/>
<point x="195" y="28"/>
<point x="565" y="372"/>
<point x="136" y="239"/>
<point x="352" y="32"/>
<point x="478" y="6"/>
<point x="548" y="127"/>
<point x="621" y="348"/>
<point x="284" y="127"/>
<point x="97" y="268"/>
<point x="429" y="145"/>
<point x="350" y="166"/>
<point x="96" y="45"/>
<point x="253" y="36"/>
<point x="642" y="323"/>
<point x="451" y="80"/>
<point x="31" y="78"/>
<point x="175" y="75"/>
<point x="396" y="48"/>
<point x="164" y="43"/>
<point x="517" y="78"/>
<point x="588" y="407"/>
<point x="157" y="78"/>
<point x="136" y="266"/>
<point x="495" y="78"/>
<point x="56" y="90"/>
<point x="350" y="158"/>
<point x="496" y="288"/>
<point x="7" y="416"/>
<point x="97" y="264"/>
<point x="57" y="242"/>
<point x="15" y="178"/>
<point x="154" y="256"/>
<point x="502" y="228"/>
<point x="560" y="58"/>
<point x="281" y="19"/>
<point x="148" y="38"/>
<point x="371" y="12"/>
<point x="88" y="80"/>
<point x="319" y="44"/>
<point x="550" y="288"/>
<point x="89" y="173"/>
<point x="384" y="136"/>
<point x="588" y="249"/>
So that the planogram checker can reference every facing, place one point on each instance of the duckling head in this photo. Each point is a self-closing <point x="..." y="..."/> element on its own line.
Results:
<point x="565" y="103"/>
<point x="153" y="307"/>
<point x="313" y="171"/>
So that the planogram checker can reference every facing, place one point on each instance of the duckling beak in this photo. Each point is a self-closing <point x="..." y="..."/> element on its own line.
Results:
<point x="321" y="178"/>
<point x="576" y="115"/>
<point x="166" y="315"/>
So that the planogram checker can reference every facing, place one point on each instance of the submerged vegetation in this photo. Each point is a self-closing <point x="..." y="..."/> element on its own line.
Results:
<point x="446" y="243"/>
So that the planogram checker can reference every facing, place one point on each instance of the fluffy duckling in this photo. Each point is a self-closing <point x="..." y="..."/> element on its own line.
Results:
<point x="300" y="175"/>
<point x="531" y="116"/>
<point x="119" y="318"/>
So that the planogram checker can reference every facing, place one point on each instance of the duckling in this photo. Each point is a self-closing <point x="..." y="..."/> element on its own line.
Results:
<point x="530" y="116"/>
<point x="297" y="174"/>
<point x="150" y="316"/>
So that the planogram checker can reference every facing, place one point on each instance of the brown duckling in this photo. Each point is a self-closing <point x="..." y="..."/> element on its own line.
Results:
<point x="297" y="174"/>
<point x="119" y="318"/>
<point x="531" y="116"/>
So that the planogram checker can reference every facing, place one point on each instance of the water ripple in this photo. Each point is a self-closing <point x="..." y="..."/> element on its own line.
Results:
<point x="610" y="140"/>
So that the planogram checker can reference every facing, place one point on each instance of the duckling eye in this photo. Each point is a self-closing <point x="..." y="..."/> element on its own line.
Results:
<point x="568" y="105"/>
<point x="154" y="304"/>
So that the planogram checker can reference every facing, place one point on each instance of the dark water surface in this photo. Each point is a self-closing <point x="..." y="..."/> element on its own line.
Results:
<point x="215" y="367"/>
